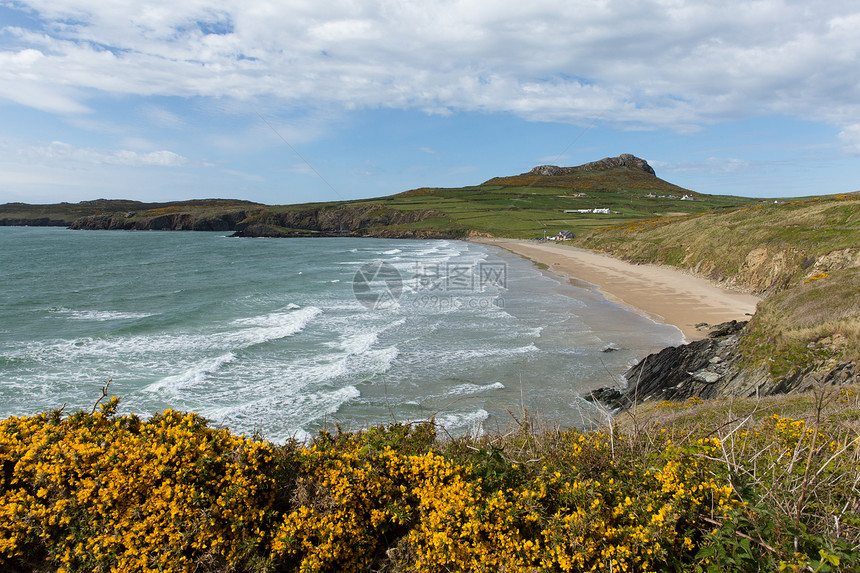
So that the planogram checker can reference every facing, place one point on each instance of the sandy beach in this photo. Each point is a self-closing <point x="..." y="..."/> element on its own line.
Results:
<point x="663" y="293"/>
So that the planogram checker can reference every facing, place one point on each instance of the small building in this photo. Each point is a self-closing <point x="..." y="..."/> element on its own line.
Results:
<point x="688" y="198"/>
<point x="564" y="236"/>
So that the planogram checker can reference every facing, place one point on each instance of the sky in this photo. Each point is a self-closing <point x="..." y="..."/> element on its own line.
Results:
<point x="291" y="101"/>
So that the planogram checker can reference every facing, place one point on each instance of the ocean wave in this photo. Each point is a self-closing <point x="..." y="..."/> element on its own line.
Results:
<point x="458" y="356"/>
<point x="194" y="375"/>
<point x="377" y="361"/>
<point x="359" y="343"/>
<point x="245" y="332"/>
<point x="98" y="315"/>
<point x="293" y="411"/>
<point x="471" y="423"/>
<point x="468" y="388"/>
<point x="269" y="327"/>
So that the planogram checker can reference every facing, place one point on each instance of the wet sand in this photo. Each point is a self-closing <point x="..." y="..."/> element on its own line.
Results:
<point x="663" y="293"/>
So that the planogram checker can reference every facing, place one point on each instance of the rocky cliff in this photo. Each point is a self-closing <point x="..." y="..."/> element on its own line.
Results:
<point x="714" y="368"/>
<point x="166" y="222"/>
<point x="358" y="220"/>
<point x="126" y="214"/>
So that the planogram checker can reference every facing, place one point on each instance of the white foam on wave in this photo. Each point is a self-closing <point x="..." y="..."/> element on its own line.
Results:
<point x="478" y="353"/>
<point x="471" y="423"/>
<point x="359" y="355"/>
<point x="391" y="252"/>
<point x="299" y="435"/>
<point x="98" y="315"/>
<point x="297" y="409"/>
<point x="468" y="388"/>
<point x="376" y="361"/>
<point x="359" y="343"/>
<point x="272" y="326"/>
<point x="194" y="375"/>
<point x="244" y="332"/>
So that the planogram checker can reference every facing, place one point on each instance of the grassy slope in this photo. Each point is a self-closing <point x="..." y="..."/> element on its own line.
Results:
<point x="803" y="255"/>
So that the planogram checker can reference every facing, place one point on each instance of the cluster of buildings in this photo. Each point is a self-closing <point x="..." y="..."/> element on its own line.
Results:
<point x="595" y="211"/>
<point x="562" y="236"/>
<point x="684" y="198"/>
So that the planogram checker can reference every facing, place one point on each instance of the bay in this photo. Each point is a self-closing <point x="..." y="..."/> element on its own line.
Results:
<point x="289" y="336"/>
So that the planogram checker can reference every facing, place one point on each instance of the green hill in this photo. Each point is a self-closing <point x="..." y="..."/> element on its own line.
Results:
<point x="522" y="206"/>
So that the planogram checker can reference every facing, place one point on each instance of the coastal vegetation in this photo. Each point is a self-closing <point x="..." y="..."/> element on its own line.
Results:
<point x="802" y="256"/>
<point x="736" y="483"/>
<point x="689" y="486"/>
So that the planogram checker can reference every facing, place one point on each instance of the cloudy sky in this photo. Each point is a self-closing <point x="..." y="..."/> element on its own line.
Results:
<point x="289" y="101"/>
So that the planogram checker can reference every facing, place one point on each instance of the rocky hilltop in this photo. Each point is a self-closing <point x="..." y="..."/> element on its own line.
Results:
<point x="623" y="160"/>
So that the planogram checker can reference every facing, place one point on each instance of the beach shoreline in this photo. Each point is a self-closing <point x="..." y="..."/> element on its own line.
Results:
<point x="664" y="294"/>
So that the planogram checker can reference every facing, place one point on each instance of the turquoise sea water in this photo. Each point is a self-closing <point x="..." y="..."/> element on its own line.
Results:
<point x="287" y="336"/>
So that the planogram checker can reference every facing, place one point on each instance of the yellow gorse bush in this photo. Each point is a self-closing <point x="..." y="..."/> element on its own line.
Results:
<point x="101" y="492"/>
<point x="105" y="493"/>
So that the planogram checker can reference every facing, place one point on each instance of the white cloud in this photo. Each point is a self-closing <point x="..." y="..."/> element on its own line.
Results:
<point x="850" y="138"/>
<point x="160" y="117"/>
<point x="654" y="63"/>
<point x="58" y="152"/>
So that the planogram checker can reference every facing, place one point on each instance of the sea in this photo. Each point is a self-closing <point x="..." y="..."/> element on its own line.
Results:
<point x="286" y="337"/>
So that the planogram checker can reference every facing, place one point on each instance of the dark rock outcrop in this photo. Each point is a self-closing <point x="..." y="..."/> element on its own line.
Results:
<point x="713" y="368"/>
<point x="343" y="220"/>
<point x="623" y="160"/>
<point x="227" y="221"/>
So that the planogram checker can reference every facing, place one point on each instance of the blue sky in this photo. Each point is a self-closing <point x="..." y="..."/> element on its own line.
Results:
<point x="299" y="100"/>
